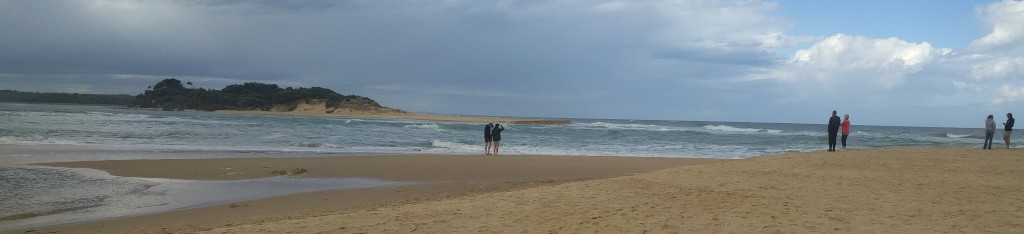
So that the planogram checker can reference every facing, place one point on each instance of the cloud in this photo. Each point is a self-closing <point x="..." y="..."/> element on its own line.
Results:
<point x="1008" y="93"/>
<point x="997" y="68"/>
<point x="995" y="78"/>
<point x="880" y="71"/>
<point x="1006" y="20"/>
<point x="571" y="58"/>
<point x="853" y="61"/>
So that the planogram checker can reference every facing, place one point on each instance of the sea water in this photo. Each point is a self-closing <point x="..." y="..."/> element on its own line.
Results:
<point x="163" y="134"/>
<point x="33" y="133"/>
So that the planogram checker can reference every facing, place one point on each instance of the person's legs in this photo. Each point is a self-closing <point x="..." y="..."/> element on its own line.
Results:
<point x="496" y="143"/>
<point x="1006" y="138"/>
<point x="487" y="148"/>
<point x="984" y="145"/>
<point x="831" y="141"/>
<point x="844" y="141"/>
<point x="988" y="140"/>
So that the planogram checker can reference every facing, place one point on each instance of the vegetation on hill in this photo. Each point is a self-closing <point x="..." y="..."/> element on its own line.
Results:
<point x="170" y="94"/>
<point x="69" y="98"/>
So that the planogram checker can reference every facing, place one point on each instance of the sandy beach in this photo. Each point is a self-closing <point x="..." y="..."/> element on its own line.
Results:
<point x="893" y="190"/>
<point x="438" y="176"/>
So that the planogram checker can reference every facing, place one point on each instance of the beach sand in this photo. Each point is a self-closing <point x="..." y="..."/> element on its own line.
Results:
<point x="437" y="176"/>
<point x="891" y="190"/>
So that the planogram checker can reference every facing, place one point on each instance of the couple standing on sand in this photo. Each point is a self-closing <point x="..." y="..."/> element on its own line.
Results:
<point x="492" y="132"/>
<point x="990" y="129"/>
<point x="833" y="129"/>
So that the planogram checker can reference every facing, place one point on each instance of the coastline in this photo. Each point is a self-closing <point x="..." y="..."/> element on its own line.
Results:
<point x="395" y="114"/>
<point x="906" y="190"/>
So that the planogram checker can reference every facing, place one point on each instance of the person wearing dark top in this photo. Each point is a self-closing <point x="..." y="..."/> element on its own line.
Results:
<point x="1007" y="129"/>
<point x="496" y="136"/>
<point x="833" y="130"/>
<point x="487" y="138"/>
<point x="990" y="129"/>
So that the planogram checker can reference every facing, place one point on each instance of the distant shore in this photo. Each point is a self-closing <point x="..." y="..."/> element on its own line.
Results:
<point x="350" y="113"/>
<point x="899" y="190"/>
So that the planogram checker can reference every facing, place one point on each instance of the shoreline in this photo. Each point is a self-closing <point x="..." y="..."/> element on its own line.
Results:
<point x="434" y="177"/>
<point x="906" y="190"/>
<point x="349" y="113"/>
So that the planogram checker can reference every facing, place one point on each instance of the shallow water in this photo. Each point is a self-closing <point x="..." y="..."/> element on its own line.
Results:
<point x="55" y="196"/>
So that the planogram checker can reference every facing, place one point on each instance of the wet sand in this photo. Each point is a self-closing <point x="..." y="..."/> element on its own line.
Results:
<point x="891" y="190"/>
<point x="437" y="177"/>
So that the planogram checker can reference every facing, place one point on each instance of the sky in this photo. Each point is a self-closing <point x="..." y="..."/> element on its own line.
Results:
<point x="898" y="63"/>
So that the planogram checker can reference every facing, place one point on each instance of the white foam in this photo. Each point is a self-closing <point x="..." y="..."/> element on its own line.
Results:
<point x="731" y="129"/>
<point x="950" y="135"/>
<point x="36" y="140"/>
<point x="634" y="126"/>
<point x="713" y="129"/>
<point x="614" y="126"/>
<point x="728" y="128"/>
<point x="430" y="126"/>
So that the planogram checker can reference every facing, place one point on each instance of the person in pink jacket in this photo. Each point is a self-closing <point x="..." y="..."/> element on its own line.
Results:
<point x="846" y="128"/>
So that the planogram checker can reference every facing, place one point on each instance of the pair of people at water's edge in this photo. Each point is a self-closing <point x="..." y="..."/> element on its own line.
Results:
<point x="492" y="134"/>
<point x="990" y="129"/>
<point x="834" y="125"/>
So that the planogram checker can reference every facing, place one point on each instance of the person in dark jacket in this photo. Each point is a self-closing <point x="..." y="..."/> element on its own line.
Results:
<point x="990" y="129"/>
<point x="833" y="130"/>
<point x="496" y="135"/>
<point x="487" y="138"/>
<point x="1007" y="129"/>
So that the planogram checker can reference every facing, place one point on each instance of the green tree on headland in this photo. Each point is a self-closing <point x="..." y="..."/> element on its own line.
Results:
<point x="68" y="98"/>
<point x="169" y="94"/>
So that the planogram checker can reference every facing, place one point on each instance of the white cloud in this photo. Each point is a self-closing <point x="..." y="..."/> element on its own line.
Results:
<point x="738" y="32"/>
<point x="845" y="67"/>
<point x="994" y="80"/>
<point x="1006" y="20"/>
<point x="844" y="60"/>
<point x="1009" y="93"/>
<point x="998" y="68"/>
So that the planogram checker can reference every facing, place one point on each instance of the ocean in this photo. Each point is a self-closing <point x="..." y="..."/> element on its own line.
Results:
<point x="37" y="196"/>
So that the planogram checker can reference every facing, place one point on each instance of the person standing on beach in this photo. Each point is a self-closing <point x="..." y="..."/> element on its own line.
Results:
<point x="990" y="129"/>
<point x="833" y="130"/>
<point x="1007" y="129"/>
<point x="496" y="135"/>
<point x="846" y="128"/>
<point x="487" y="138"/>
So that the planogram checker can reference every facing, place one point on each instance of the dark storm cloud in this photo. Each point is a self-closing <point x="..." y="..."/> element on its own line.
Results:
<point x="552" y="58"/>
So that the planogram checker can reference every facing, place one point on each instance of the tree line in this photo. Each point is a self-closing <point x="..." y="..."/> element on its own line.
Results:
<point x="68" y="98"/>
<point x="170" y="94"/>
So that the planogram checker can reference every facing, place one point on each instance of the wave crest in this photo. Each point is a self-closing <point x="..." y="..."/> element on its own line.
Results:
<point x="431" y="126"/>
<point x="950" y="135"/>
<point x="727" y="128"/>
<point x="644" y="127"/>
